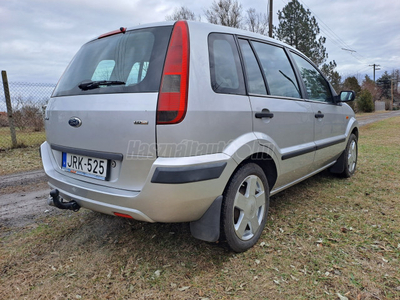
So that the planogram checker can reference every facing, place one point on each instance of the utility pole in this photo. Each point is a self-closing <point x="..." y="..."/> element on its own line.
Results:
<point x="376" y="68"/>
<point x="391" y="90"/>
<point x="270" y="19"/>
<point x="9" y="108"/>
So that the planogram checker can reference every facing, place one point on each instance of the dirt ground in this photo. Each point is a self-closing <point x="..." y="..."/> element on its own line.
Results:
<point x="23" y="196"/>
<point x="371" y="118"/>
<point x="23" y="200"/>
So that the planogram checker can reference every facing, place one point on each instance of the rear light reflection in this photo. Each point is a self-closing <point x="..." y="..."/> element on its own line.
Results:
<point x="123" y="215"/>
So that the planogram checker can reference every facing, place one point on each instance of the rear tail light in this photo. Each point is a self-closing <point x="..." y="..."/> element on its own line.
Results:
<point x="172" y="101"/>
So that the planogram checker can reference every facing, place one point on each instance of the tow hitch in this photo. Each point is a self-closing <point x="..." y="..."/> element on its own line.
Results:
<point x="57" y="201"/>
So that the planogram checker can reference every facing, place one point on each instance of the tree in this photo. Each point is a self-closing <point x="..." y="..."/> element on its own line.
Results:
<point x="351" y="83"/>
<point x="396" y="80"/>
<point x="256" y="22"/>
<point x="369" y="85"/>
<point x="299" y="29"/>
<point x="182" y="13"/>
<point x="365" y="102"/>
<point x="333" y="76"/>
<point x="384" y="85"/>
<point x="225" y="12"/>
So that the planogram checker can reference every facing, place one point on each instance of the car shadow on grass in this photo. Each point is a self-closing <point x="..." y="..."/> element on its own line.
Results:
<point x="102" y="239"/>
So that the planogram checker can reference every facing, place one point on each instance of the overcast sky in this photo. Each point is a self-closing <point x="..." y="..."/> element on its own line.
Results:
<point x="38" y="38"/>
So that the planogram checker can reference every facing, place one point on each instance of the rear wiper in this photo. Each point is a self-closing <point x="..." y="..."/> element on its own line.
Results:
<point x="90" y="85"/>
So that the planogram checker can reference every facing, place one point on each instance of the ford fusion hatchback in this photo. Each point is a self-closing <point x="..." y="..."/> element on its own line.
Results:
<point x="192" y="122"/>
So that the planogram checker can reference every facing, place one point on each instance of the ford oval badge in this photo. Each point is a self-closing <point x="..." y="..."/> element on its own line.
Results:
<point x="75" y="122"/>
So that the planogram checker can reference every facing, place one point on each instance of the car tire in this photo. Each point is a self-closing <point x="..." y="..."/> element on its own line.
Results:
<point x="350" y="157"/>
<point x="245" y="207"/>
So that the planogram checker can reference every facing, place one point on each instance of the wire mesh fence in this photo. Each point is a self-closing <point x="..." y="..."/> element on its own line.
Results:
<point x="28" y="103"/>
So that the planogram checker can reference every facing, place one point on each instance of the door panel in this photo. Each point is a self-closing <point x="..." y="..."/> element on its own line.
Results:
<point x="330" y="133"/>
<point x="329" y="118"/>
<point x="290" y="133"/>
<point x="284" y="124"/>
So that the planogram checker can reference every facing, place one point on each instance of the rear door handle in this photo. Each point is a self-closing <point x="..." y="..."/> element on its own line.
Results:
<point x="319" y="115"/>
<point x="260" y="115"/>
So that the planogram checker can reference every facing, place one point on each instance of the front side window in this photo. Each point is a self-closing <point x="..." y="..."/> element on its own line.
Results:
<point x="278" y="70"/>
<point x="225" y="69"/>
<point x="120" y="63"/>
<point x="316" y="85"/>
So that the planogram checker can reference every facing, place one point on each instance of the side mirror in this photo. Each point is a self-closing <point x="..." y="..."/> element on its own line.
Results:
<point x="346" y="96"/>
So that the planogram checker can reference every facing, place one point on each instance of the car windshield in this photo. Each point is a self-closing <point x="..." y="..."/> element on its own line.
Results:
<point x="120" y="63"/>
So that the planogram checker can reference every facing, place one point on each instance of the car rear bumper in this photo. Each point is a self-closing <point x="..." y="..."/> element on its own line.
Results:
<point x="176" y="190"/>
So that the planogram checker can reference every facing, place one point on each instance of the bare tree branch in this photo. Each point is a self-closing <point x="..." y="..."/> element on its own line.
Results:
<point x="182" y="13"/>
<point x="225" y="12"/>
<point x="256" y="22"/>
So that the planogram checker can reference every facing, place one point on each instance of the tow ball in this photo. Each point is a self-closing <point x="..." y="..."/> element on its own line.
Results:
<point x="58" y="202"/>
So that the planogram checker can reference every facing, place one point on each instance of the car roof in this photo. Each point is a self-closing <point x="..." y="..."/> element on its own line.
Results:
<point x="212" y="28"/>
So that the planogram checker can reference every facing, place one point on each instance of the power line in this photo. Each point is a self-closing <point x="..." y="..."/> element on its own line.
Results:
<point x="331" y="34"/>
<point x="363" y="69"/>
<point x="335" y="38"/>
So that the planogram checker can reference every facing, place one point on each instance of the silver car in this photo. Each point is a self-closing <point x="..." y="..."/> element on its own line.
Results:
<point x="192" y="122"/>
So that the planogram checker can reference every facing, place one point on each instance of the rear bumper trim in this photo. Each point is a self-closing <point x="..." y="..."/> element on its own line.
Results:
<point x="178" y="175"/>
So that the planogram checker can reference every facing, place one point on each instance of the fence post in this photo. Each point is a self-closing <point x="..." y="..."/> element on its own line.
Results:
<point x="9" y="108"/>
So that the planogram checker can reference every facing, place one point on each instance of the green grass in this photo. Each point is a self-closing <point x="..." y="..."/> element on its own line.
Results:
<point x="20" y="160"/>
<point x="325" y="236"/>
<point x="25" y="138"/>
<point x="23" y="158"/>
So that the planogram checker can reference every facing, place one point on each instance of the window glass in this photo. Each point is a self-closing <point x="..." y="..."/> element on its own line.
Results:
<point x="316" y="85"/>
<point x="255" y="81"/>
<point x="138" y="72"/>
<point x="133" y="60"/>
<point x="103" y="70"/>
<point x="278" y="70"/>
<point x="226" y="71"/>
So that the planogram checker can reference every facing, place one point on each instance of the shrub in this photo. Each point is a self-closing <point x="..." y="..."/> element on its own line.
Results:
<point x="353" y="105"/>
<point x="29" y="116"/>
<point x="365" y="102"/>
<point x="3" y="119"/>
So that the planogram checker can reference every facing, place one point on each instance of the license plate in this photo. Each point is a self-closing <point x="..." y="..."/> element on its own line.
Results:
<point x="83" y="165"/>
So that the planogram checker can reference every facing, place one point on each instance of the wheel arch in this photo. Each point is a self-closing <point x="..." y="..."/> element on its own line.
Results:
<point x="248" y="148"/>
<point x="355" y="132"/>
<point x="265" y="162"/>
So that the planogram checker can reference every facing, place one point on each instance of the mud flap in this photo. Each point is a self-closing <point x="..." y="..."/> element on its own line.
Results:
<point x="338" y="167"/>
<point x="207" y="228"/>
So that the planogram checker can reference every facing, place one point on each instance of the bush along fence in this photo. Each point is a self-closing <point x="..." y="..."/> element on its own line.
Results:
<point x="22" y="108"/>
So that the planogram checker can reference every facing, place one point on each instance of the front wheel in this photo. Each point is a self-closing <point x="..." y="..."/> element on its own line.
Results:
<point x="350" y="157"/>
<point x="245" y="207"/>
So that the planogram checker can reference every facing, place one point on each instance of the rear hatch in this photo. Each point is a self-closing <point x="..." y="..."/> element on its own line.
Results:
<point x="101" y="119"/>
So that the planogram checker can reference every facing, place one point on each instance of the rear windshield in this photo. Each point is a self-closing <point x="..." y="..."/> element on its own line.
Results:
<point x="121" y="63"/>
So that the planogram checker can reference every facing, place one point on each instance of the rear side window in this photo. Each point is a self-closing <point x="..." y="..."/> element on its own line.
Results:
<point x="278" y="70"/>
<point x="255" y="81"/>
<point x="225" y="67"/>
<point x="121" y="63"/>
<point x="317" y="87"/>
